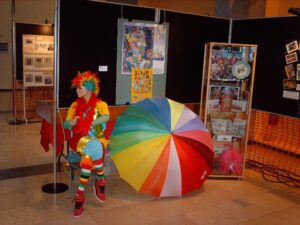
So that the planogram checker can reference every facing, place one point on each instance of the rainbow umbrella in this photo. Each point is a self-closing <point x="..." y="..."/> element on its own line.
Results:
<point x="161" y="147"/>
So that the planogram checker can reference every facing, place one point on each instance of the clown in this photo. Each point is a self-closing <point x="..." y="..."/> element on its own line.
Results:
<point x="86" y="118"/>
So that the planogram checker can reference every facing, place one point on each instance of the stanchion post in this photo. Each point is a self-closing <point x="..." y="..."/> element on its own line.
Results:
<point x="13" y="11"/>
<point x="54" y="188"/>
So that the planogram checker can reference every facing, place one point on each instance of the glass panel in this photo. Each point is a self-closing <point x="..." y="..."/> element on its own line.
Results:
<point x="226" y="102"/>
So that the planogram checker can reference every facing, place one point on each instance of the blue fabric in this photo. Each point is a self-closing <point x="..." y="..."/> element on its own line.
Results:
<point x="94" y="149"/>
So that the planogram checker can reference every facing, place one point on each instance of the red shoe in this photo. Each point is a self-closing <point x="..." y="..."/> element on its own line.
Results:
<point x="79" y="203"/>
<point x="99" y="189"/>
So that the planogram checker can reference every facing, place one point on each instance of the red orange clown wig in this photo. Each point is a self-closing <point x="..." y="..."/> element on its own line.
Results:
<point x="88" y="80"/>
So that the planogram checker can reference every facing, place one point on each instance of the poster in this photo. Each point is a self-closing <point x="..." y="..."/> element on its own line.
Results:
<point x="143" y="47"/>
<point x="38" y="60"/>
<point x="141" y="84"/>
<point x="33" y="44"/>
<point x="228" y="65"/>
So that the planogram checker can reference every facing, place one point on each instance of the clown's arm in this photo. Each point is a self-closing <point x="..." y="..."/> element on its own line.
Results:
<point x="100" y="120"/>
<point x="104" y="112"/>
<point x="70" y="119"/>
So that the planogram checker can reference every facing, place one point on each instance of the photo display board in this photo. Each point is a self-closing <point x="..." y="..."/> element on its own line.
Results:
<point x="35" y="53"/>
<point x="38" y="60"/>
<point x="276" y="88"/>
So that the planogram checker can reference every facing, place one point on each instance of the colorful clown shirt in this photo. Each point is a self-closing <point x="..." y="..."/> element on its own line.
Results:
<point x="86" y="113"/>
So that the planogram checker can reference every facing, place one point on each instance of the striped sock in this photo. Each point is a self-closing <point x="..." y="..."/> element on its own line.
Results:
<point x="84" y="177"/>
<point x="99" y="168"/>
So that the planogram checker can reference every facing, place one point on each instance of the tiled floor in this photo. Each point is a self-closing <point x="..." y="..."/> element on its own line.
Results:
<point x="251" y="201"/>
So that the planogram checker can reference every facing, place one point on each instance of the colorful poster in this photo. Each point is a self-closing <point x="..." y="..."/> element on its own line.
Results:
<point x="143" y="47"/>
<point x="141" y="84"/>
<point x="159" y="49"/>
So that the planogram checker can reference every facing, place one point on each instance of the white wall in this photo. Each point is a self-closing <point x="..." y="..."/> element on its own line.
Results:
<point x="26" y="11"/>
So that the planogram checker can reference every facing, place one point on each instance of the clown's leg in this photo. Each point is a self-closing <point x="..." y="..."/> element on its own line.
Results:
<point x="99" y="186"/>
<point x="95" y="150"/>
<point x="86" y="166"/>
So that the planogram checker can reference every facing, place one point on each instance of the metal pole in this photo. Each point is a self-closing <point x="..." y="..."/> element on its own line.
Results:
<point x="56" y="54"/>
<point x="157" y="15"/>
<point x="14" y="77"/>
<point x="55" y="187"/>
<point x="13" y="10"/>
<point x="230" y="31"/>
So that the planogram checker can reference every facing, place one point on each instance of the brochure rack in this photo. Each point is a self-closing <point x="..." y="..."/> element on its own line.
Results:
<point x="228" y="76"/>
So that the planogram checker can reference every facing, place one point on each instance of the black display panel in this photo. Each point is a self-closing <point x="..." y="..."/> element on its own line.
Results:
<point x="187" y="37"/>
<point x="24" y="28"/>
<point x="271" y="35"/>
<point x="88" y="38"/>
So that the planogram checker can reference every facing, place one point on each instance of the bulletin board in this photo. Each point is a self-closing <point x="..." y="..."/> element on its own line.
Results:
<point x="38" y="60"/>
<point x="45" y="30"/>
<point x="272" y="35"/>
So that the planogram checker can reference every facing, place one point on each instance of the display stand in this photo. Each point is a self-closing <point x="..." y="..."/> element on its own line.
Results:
<point x="228" y="76"/>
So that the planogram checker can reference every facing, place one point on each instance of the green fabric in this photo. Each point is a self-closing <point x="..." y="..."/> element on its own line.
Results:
<point x="67" y="125"/>
<point x="100" y="120"/>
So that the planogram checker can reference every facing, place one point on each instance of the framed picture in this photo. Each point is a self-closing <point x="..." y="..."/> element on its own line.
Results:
<point x="48" y="80"/>
<point x="48" y="62"/>
<point x="290" y="58"/>
<point x="28" y="62"/>
<point x="38" y="79"/>
<point x="289" y="70"/>
<point x="239" y="127"/>
<point x="213" y="104"/>
<point x="225" y="95"/>
<point x="143" y="47"/>
<point x="298" y="72"/>
<point x="289" y="83"/>
<point x="222" y="126"/>
<point x="28" y="78"/>
<point x="239" y="106"/>
<point x="215" y="92"/>
<point x="38" y="62"/>
<point x="292" y="46"/>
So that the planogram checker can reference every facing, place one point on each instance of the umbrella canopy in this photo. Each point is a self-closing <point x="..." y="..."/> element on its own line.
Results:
<point x="161" y="147"/>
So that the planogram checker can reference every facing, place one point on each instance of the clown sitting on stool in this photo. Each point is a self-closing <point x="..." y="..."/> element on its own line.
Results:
<point x="87" y="117"/>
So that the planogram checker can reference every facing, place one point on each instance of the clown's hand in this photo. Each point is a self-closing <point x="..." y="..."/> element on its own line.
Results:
<point x="100" y="120"/>
<point x="67" y="125"/>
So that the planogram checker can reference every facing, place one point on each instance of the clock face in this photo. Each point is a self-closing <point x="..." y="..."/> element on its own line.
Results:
<point x="241" y="70"/>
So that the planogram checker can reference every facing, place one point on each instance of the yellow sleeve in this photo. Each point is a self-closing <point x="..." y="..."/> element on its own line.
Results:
<point x="71" y="111"/>
<point x="102" y="108"/>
